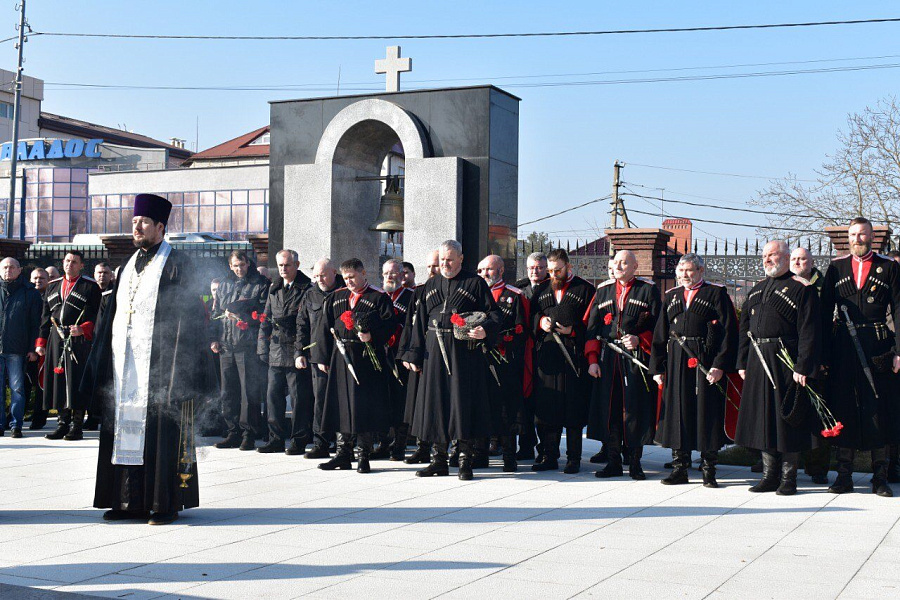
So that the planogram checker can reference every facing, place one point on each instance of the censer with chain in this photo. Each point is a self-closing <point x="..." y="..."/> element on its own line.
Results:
<point x="188" y="452"/>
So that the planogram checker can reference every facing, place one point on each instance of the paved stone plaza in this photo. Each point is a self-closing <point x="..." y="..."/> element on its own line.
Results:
<point x="273" y="526"/>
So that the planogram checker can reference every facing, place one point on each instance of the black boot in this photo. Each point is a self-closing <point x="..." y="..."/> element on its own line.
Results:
<point x="320" y="450"/>
<point x="843" y="484"/>
<point x="681" y="461"/>
<point x="771" y="474"/>
<point x="574" y="445"/>
<point x="362" y="465"/>
<point x="480" y="458"/>
<point x="635" y="470"/>
<point x="61" y="430"/>
<point x="272" y="447"/>
<point x="438" y="466"/>
<point x="343" y="459"/>
<point x="671" y="464"/>
<point x="248" y="443"/>
<point x="508" y="447"/>
<point x="398" y="446"/>
<point x="708" y="466"/>
<point x="465" y="460"/>
<point x="550" y="461"/>
<point x="232" y="440"/>
<point x="600" y="457"/>
<point x="880" y="473"/>
<point x="92" y="423"/>
<point x="613" y="466"/>
<point x="77" y="431"/>
<point x="383" y="452"/>
<point x="38" y="420"/>
<point x="789" y="462"/>
<point x="893" y="475"/>
<point x="421" y="455"/>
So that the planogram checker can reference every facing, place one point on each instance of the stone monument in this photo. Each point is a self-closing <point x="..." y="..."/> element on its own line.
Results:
<point x="460" y="148"/>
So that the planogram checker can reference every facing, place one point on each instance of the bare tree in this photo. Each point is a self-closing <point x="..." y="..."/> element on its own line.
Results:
<point x="862" y="178"/>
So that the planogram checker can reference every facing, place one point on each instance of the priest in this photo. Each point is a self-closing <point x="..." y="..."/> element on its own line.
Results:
<point x="453" y="389"/>
<point x="144" y="372"/>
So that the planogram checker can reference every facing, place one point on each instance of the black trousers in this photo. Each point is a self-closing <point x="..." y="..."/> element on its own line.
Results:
<point x="321" y="438"/>
<point x="31" y="383"/>
<point x="284" y="381"/>
<point x="528" y="438"/>
<point x="243" y="381"/>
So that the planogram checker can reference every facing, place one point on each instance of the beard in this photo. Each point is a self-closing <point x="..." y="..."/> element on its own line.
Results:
<point x="860" y="249"/>
<point x="491" y="281"/>
<point x="391" y="286"/>
<point x="144" y="243"/>
<point x="557" y="283"/>
<point x="775" y="270"/>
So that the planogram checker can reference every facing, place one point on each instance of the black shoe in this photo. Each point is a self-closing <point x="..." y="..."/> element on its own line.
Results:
<point x="125" y="515"/>
<point x="636" y="472"/>
<point x="842" y="485"/>
<point x="230" y="441"/>
<point x="453" y="461"/>
<point x="820" y="479"/>
<point x="709" y="480"/>
<point x="363" y="465"/>
<point x="572" y="467"/>
<point x="37" y="423"/>
<point x="608" y="471"/>
<point x="510" y="465"/>
<point x="481" y="461"/>
<point x="766" y="485"/>
<point x="271" y="448"/>
<point x="91" y="424"/>
<point x="248" y="443"/>
<point x="435" y="469"/>
<point x="339" y="462"/>
<point x="465" y="471"/>
<point x="546" y="465"/>
<point x="420" y="456"/>
<point x="61" y="430"/>
<point x="678" y="476"/>
<point x="383" y="453"/>
<point x="74" y="435"/>
<point x="17" y="432"/>
<point x="398" y="454"/>
<point x="881" y="488"/>
<point x="162" y="518"/>
<point x="294" y="449"/>
<point x="600" y="458"/>
<point x="318" y="452"/>
<point x="525" y="454"/>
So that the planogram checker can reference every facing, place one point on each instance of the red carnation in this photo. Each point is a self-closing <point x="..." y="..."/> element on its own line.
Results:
<point x="254" y="315"/>
<point x="692" y="363"/>
<point x="834" y="431"/>
<point x="242" y="325"/>
<point x="507" y="338"/>
<point x="262" y="317"/>
<point x="607" y="320"/>
<point x="519" y="329"/>
<point x="58" y="370"/>
<point x="458" y="320"/>
<point x="347" y="319"/>
<point x="501" y="350"/>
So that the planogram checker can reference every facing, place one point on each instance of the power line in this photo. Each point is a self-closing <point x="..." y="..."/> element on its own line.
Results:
<point x="562" y="212"/>
<point x="461" y="35"/>
<point x="772" y="227"/>
<point x="714" y="172"/>
<point x="650" y="187"/>
<point x="743" y="210"/>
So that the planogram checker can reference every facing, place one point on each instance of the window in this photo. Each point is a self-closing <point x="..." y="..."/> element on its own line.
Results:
<point x="6" y="111"/>
<point x="262" y="140"/>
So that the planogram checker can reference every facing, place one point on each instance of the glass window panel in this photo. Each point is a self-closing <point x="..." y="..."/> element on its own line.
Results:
<point x="239" y="197"/>
<point x="239" y="218"/>
<point x="175" y="217"/>
<point x="30" y="204"/>
<point x="79" y="175"/>
<point x="190" y="219"/>
<point x="257" y="219"/>
<point x="125" y="218"/>
<point x="60" y="203"/>
<point x="98" y="201"/>
<point x="112" y="221"/>
<point x="128" y="201"/>
<point x="176" y="199"/>
<point x="223" y="218"/>
<point x="191" y="198"/>
<point x="98" y="224"/>
<point x="223" y="197"/>
<point x="61" y="189"/>
<point x="257" y="196"/>
<point x="29" y="224"/>
<point x="79" y="190"/>
<point x="113" y="201"/>
<point x="63" y="175"/>
<point x="45" y="203"/>
<point x="60" y="222"/>
<point x="45" y="190"/>
<point x="77" y="224"/>
<point x="78" y="203"/>
<point x="45" y="175"/>
<point x="31" y="189"/>
<point x="43" y="223"/>
<point x="207" y="219"/>
<point x="207" y="197"/>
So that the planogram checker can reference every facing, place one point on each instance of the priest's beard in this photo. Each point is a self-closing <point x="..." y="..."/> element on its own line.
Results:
<point x="860" y="249"/>
<point x="144" y="243"/>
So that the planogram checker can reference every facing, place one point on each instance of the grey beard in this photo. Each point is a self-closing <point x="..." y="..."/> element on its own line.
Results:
<point x="491" y="282"/>
<point x="391" y="287"/>
<point x="860" y="249"/>
<point x="775" y="271"/>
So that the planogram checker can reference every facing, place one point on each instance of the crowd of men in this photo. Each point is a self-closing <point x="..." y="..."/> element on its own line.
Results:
<point x="463" y="365"/>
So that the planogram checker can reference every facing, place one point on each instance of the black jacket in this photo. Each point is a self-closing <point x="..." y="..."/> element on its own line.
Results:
<point x="21" y="321"/>
<point x="308" y="315"/>
<point x="243" y="297"/>
<point x="278" y="330"/>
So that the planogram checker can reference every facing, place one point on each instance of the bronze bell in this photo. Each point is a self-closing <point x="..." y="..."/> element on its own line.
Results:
<point x="390" y="211"/>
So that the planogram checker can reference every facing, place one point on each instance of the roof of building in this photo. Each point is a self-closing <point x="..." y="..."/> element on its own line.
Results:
<point x="677" y="221"/>
<point x="598" y="246"/>
<point x="112" y="135"/>
<point x="238" y="147"/>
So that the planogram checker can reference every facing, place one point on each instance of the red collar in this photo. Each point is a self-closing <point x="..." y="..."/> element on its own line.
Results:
<point x="695" y="287"/>
<point x="865" y="258"/>
<point x="396" y="294"/>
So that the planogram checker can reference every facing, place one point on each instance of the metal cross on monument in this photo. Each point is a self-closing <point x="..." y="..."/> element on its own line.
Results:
<point x="392" y="66"/>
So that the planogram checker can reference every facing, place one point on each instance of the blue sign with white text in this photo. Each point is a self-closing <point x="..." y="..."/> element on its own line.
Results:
<point x="51" y="149"/>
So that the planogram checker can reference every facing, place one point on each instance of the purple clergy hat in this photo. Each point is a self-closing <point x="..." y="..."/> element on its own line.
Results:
<point x="153" y="206"/>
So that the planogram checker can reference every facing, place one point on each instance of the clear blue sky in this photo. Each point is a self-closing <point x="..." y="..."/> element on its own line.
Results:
<point x="569" y="136"/>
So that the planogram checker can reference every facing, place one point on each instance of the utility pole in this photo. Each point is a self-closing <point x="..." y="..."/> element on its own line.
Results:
<point x="17" y="85"/>
<point x="618" y="206"/>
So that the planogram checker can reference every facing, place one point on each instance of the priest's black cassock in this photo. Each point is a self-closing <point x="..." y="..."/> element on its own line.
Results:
<point x="454" y="405"/>
<point x="352" y="408"/>
<point x="175" y="377"/>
